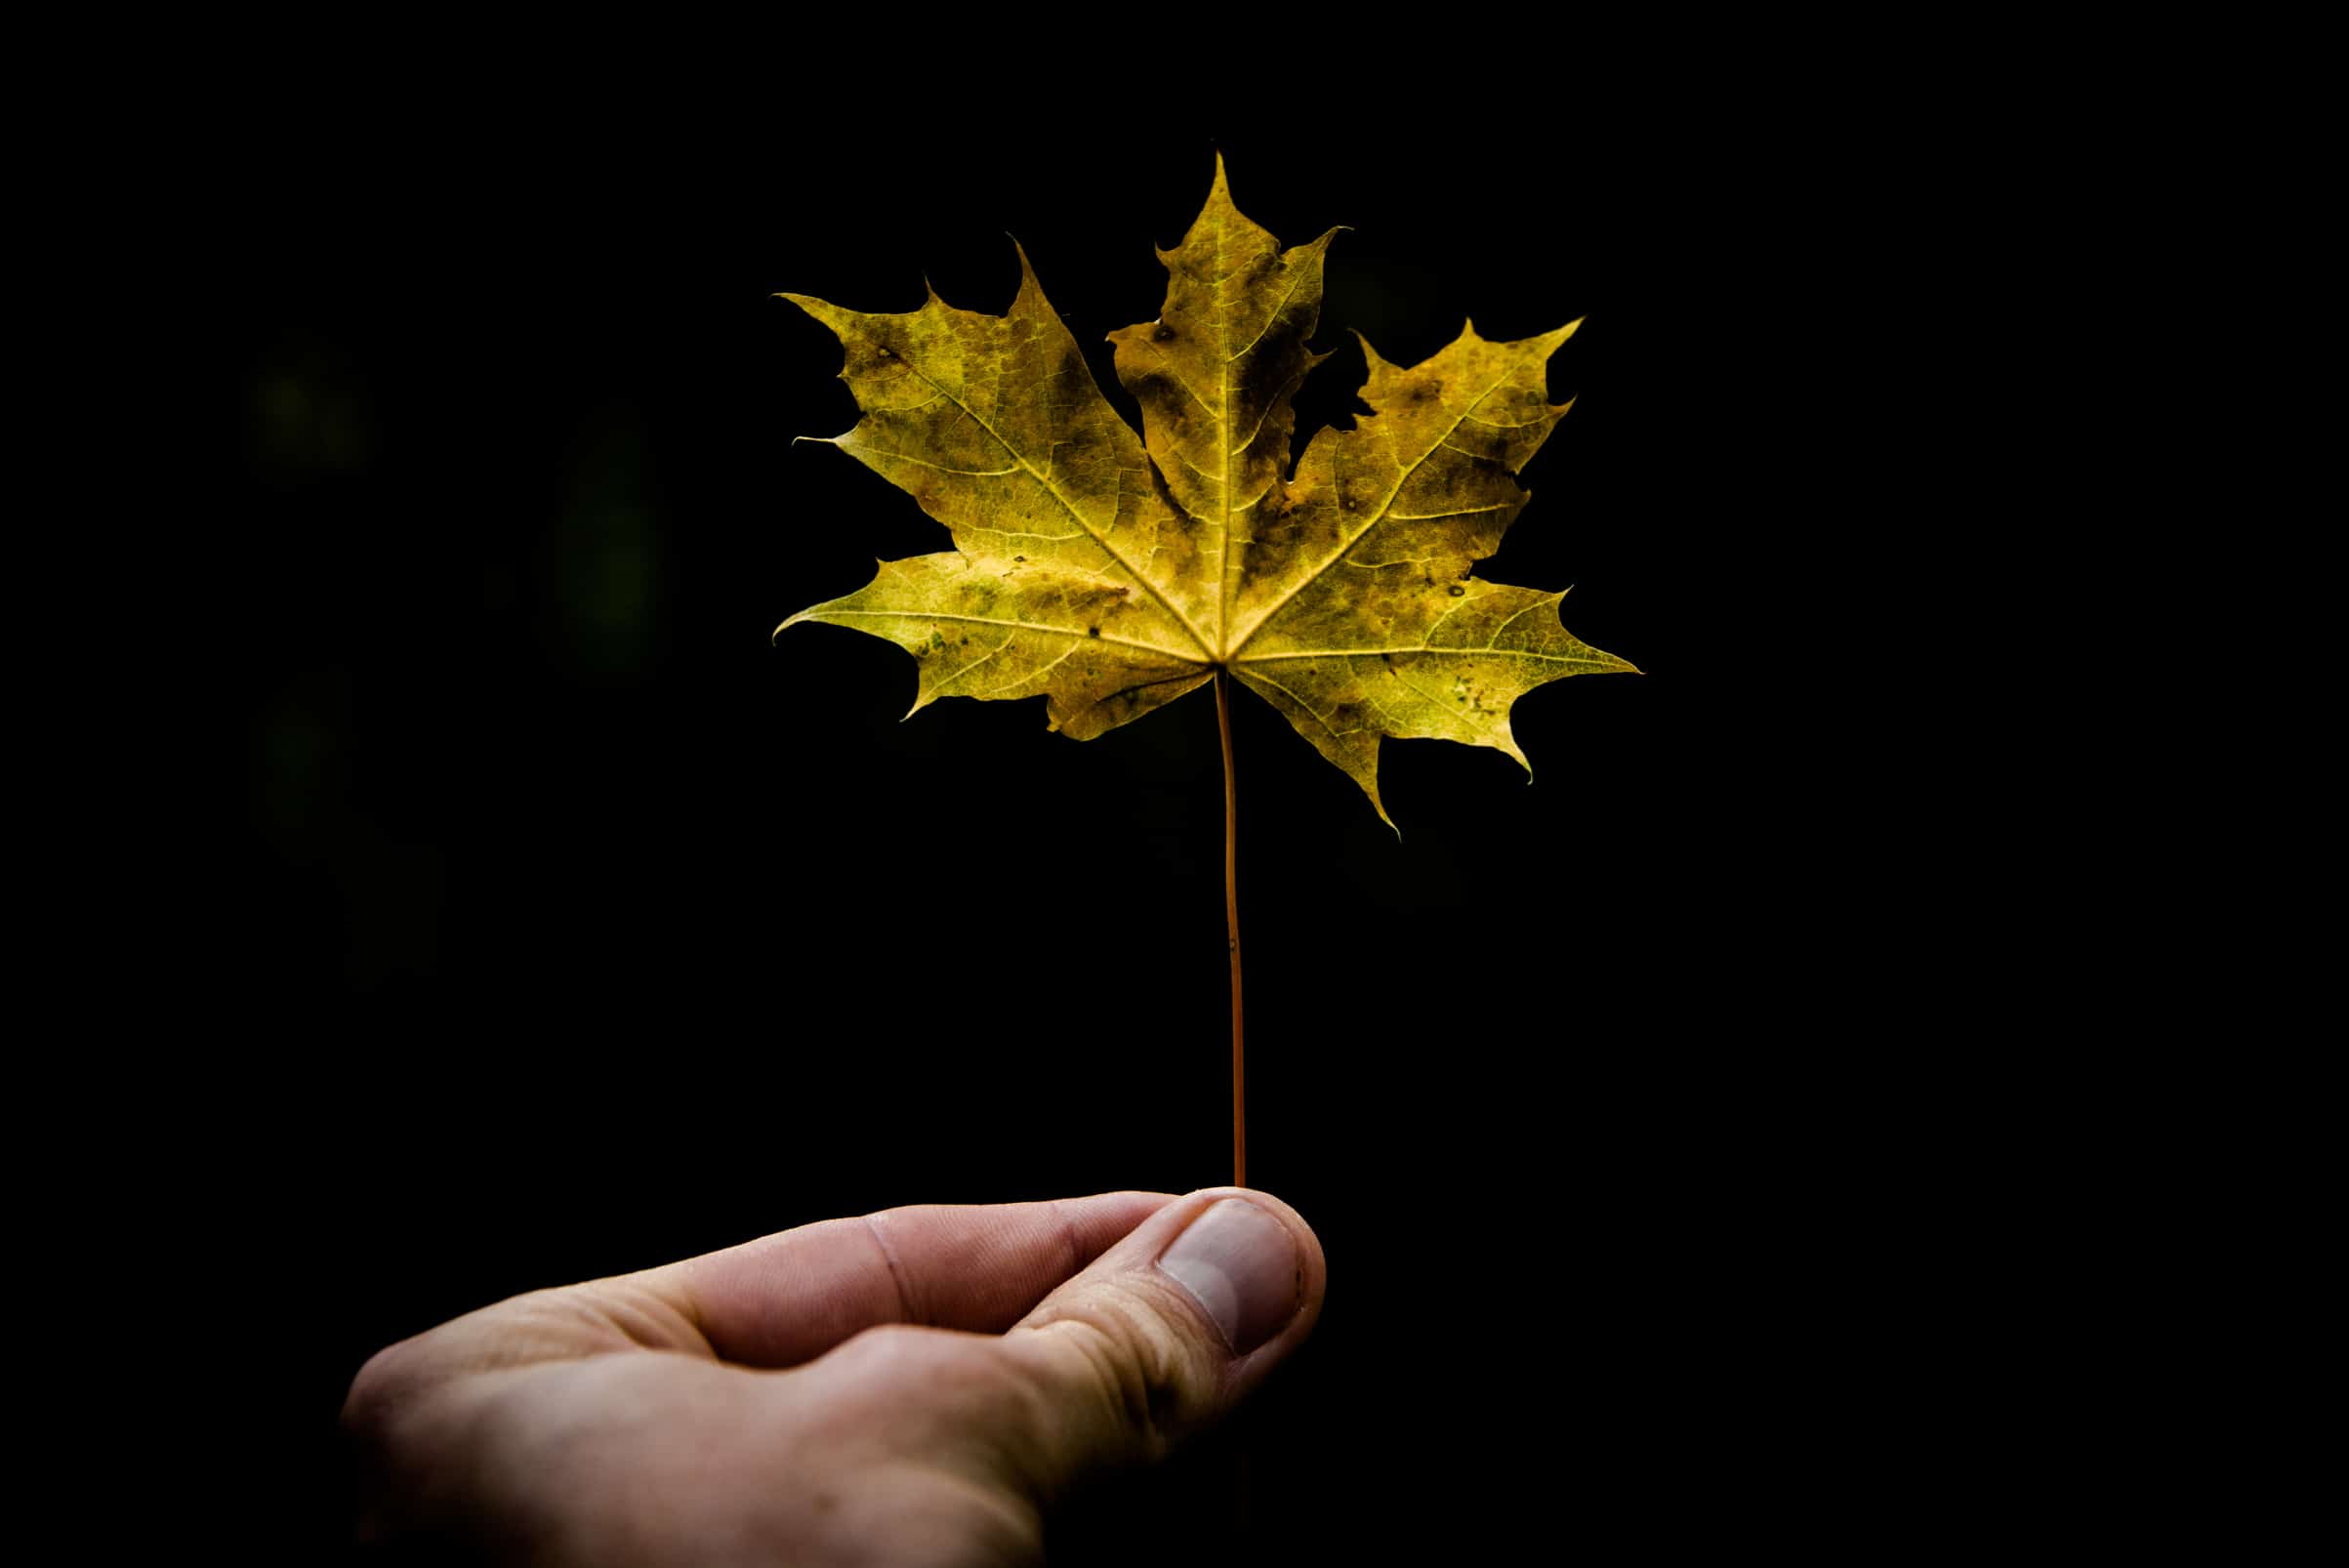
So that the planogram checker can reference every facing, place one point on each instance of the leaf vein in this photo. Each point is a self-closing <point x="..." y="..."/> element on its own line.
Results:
<point x="1494" y="642"/>
<point x="1067" y="505"/>
<point x="964" y="673"/>
<point x="1432" y="516"/>
<point x="1256" y="659"/>
<point x="1345" y="549"/>
<point x="908" y="457"/>
<point x="1025" y="626"/>
<point x="1310" y="712"/>
<point x="1435" y="700"/>
<point x="1037" y="675"/>
<point x="1296" y="281"/>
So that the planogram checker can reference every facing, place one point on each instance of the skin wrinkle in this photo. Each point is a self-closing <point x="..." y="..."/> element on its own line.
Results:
<point x="650" y="1321"/>
<point x="907" y="1311"/>
<point x="1068" y="1234"/>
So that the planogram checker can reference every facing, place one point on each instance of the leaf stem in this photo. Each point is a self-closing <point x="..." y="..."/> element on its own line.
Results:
<point x="1231" y="920"/>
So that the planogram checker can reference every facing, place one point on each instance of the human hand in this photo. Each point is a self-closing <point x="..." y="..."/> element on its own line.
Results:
<point x="912" y="1387"/>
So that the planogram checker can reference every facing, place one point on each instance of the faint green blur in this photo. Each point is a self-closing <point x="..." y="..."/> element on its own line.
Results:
<point x="308" y="416"/>
<point x="602" y="568"/>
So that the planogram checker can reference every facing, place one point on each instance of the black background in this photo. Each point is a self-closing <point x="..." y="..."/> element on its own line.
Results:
<point x="585" y="929"/>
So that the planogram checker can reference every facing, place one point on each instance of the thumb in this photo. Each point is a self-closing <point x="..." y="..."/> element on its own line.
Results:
<point x="1161" y="1335"/>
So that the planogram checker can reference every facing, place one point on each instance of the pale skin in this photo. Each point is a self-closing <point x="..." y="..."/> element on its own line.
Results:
<point x="914" y="1387"/>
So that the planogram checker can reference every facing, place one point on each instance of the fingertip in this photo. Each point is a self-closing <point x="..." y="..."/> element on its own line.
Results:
<point x="1312" y="1270"/>
<point x="1242" y="1264"/>
<point x="1245" y="1262"/>
<point x="1165" y="1334"/>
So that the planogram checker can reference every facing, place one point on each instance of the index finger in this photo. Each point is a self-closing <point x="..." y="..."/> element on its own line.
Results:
<point x="789" y="1297"/>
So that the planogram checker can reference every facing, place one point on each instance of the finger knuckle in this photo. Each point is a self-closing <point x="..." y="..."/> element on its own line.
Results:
<point x="387" y="1380"/>
<point x="1141" y="1368"/>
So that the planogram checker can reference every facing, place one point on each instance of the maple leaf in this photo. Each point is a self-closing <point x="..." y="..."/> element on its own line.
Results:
<point x="1112" y="573"/>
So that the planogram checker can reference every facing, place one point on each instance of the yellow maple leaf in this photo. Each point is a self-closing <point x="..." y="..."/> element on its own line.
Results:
<point x="1111" y="573"/>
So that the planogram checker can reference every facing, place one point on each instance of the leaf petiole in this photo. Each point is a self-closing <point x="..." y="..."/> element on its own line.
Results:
<point x="1231" y="918"/>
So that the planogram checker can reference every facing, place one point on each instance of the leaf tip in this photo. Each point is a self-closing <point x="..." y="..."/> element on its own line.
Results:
<point x="824" y="310"/>
<point x="1549" y="341"/>
<point x="1218" y="203"/>
<point x="1370" y="787"/>
<point x="1030" y="293"/>
<point x="1505" y="743"/>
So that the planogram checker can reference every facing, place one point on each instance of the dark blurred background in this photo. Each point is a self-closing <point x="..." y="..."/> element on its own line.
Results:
<point x="582" y="929"/>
